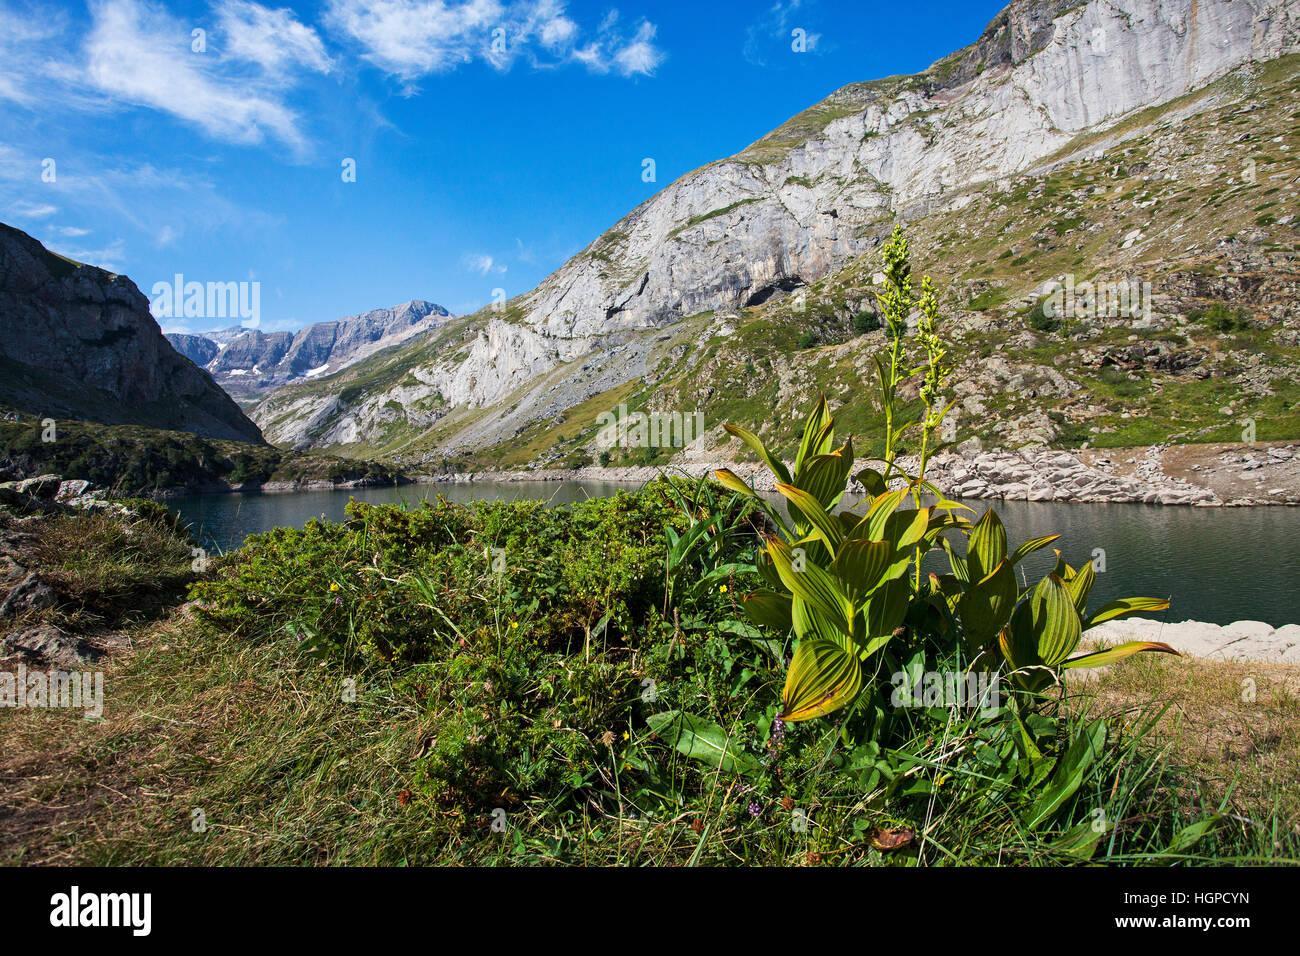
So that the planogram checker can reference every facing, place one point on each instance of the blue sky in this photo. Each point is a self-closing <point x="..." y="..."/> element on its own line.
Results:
<point x="492" y="139"/>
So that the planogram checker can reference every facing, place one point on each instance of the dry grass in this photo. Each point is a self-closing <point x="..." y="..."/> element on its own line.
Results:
<point x="1234" y="726"/>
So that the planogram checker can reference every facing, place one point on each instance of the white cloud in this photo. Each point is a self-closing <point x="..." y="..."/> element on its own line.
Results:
<point x="109" y="257"/>
<point x="640" y="55"/>
<point x="31" y="210"/>
<point x="137" y="53"/>
<point x="72" y="232"/>
<point x="775" y="32"/>
<point x="273" y="39"/>
<point x="482" y="264"/>
<point x="411" y="39"/>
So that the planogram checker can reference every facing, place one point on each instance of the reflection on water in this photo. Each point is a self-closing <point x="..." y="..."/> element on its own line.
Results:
<point x="1215" y="564"/>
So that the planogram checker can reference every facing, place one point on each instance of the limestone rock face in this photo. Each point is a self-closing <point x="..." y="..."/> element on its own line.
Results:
<point x="825" y="187"/>
<point x="79" y="342"/>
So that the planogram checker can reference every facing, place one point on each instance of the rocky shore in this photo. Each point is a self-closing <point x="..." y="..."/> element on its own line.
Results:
<point x="1205" y="475"/>
<point x="1238" y="641"/>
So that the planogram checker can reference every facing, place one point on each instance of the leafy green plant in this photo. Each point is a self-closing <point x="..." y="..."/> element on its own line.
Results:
<point x="846" y="583"/>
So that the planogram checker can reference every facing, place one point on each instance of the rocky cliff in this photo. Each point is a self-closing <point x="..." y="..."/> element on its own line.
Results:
<point x="251" y="361"/>
<point x="79" y="342"/>
<point x="799" y="212"/>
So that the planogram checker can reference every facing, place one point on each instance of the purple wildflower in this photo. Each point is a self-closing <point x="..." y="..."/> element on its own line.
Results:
<point x="754" y="809"/>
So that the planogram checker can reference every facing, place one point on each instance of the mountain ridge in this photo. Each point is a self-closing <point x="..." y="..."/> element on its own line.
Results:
<point x="79" y="342"/>
<point x="801" y="204"/>
<point x="250" y="361"/>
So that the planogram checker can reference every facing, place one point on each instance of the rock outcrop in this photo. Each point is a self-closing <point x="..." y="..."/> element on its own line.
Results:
<point x="811" y="197"/>
<point x="79" y="342"/>
<point x="250" y="361"/>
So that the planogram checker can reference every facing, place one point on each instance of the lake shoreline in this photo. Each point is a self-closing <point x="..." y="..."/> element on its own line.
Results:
<point x="1209" y="476"/>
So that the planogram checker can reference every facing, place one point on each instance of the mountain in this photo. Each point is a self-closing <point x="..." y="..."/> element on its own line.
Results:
<point x="79" y="342"/>
<point x="249" y="361"/>
<point x="1108" y="141"/>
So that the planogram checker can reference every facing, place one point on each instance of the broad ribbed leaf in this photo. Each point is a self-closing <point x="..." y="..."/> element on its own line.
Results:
<point x="872" y="481"/>
<point x="826" y="527"/>
<point x="959" y="569"/>
<point x="813" y="584"/>
<point x="860" y="565"/>
<point x="906" y="528"/>
<point x="733" y="482"/>
<point x="1080" y="586"/>
<point x="1056" y="623"/>
<point x="986" y="606"/>
<point x="753" y="441"/>
<point x="823" y="677"/>
<point x="701" y="739"/>
<point x="825" y="477"/>
<point x="886" y="608"/>
<point x="1032" y="545"/>
<point x="1117" y="653"/>
<point x="769" y="609"/>
<point x="987" y="546"/>
<point x="872" y="525"/>
<point x="1125" y="606"/>
<point x="818" y="436"/>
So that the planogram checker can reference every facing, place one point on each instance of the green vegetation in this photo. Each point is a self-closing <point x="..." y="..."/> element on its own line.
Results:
<point x="135" y="460"/>
<point x="865" y="322"/>
<point x="685" y="675"/>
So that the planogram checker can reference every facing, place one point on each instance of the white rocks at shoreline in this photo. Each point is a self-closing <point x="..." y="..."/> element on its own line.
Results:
<point x="1238" y="641"/>
<point x="1024" y="475"/>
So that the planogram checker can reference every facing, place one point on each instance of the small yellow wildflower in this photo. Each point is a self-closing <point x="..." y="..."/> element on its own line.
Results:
<point x="513" y="625"/>
<point x="333" y="586"/>
<point x="626" y="735"/>
<point x="722" y="588"/>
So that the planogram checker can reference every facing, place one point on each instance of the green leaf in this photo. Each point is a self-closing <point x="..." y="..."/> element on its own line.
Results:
<point x="873" y="481"/>
<point x="769" y="609"/>
<point x="986" y="607"/>
<point x="827" y="528"/>
<point x="1112" y="654"/>
<point x="701" y="739"/>
<point x="776" y="466"/>
<point x="872" y="525"/>
<point x="1085" y="748"/>
<point x="1032" y="545"/>
<point x="1080" y="586"/>
<point x="823" y="677"/>
<point x="733" y="482"/>
<point x="987" y="547"/>
<point x="1055" y="622"/>
<point x="825" y="477"/>
<point x="818" y="435"/>
<point x="813" y="584"/>
<point x="860" y="565"/>
<point x="885" y="610"/>
<point x="906" y="528"/>
<point x="1124" y="607"/>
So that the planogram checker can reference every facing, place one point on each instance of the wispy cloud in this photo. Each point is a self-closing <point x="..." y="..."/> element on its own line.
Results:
<point x="482" y="264"/>
<point x="273" y="39"/>
<point x="138" y="53"/>
<point x="776" y="32"/>
<point x="411" y="39"/>
<point x="30" y="210"/>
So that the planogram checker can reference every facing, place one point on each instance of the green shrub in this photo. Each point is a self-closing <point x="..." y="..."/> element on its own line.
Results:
<point x="865" y="322"/>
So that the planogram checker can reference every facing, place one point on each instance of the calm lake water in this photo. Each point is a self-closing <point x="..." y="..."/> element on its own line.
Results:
<point x="1215" y="564"/>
